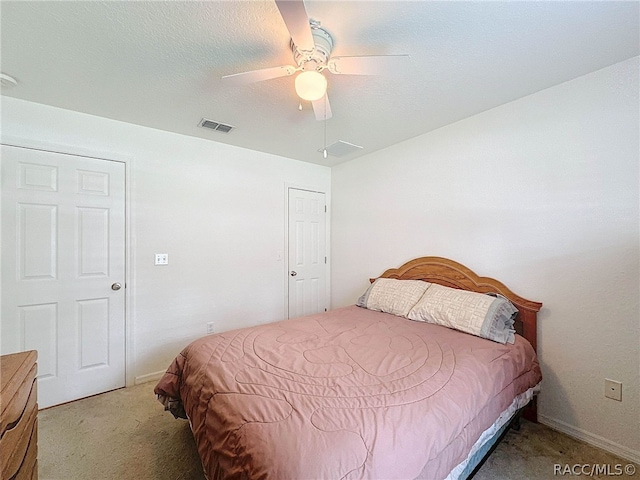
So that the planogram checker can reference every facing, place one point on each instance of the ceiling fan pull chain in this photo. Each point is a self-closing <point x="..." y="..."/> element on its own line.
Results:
<point x="324" y="151"/>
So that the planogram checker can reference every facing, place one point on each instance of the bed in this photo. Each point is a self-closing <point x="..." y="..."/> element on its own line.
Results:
<point x="372" y="390"/>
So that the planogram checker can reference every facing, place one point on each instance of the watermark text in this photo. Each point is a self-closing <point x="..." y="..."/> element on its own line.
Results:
<point x="594" y="469"/>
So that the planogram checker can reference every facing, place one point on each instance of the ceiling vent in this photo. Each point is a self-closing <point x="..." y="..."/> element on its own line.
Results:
<point x="217" y="126"/>
<point x="340" y="148"/>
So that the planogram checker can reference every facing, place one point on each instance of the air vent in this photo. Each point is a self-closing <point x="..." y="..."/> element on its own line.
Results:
<point x="217" y="126"/>
<point x="340" y="148"/>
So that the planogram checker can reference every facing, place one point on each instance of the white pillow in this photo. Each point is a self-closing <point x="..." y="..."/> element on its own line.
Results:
<point x="484" y="315"/>
<point x="393" y="296"/>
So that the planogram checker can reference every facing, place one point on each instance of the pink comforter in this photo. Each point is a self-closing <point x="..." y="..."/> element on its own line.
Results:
<point x="351" y="393"/>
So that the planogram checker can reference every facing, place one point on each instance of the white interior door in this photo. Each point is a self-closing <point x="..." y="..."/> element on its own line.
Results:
<point x="307" y="252"/>
<point x="63" y="270"/>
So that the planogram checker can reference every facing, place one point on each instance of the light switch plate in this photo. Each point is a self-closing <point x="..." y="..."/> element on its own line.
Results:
<point x="162" y="259"/>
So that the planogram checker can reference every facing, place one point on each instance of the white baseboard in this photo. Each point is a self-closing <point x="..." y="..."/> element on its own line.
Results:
<point x="590" y="438"/>
<point x="149" y="377"/>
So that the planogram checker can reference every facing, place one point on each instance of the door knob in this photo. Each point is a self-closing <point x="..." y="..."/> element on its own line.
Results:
<point x="116" y="286"/>
<point x="293" y="273"/>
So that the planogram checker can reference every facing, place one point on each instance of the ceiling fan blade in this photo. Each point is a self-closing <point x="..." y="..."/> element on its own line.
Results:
<point x="252" y="76"/>
<point x="322" y="108"/>
<point x="297" y="21"/>
<point x="367" y="65"/>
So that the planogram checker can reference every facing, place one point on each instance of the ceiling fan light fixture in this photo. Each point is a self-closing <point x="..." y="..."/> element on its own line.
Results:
<point x="311" y="85"/>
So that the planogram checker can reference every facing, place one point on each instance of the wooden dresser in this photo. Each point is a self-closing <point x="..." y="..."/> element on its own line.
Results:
<point x="19" y="416"/>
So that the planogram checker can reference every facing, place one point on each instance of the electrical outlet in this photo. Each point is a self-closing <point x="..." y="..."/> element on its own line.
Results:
<point x="613" y="389"/>
<point x="162" y="259"/>
<point x="209" y="327"/>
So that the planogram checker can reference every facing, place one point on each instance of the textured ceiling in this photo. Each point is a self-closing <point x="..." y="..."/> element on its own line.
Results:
<point x="159" y="64"/>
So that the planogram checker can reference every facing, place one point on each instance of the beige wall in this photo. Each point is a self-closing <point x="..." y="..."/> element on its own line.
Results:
<point x="541" y="193"/>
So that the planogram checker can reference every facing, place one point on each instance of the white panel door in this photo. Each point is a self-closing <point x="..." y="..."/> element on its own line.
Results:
<point x="307" y="252"/>
<point x="63" y="258"/>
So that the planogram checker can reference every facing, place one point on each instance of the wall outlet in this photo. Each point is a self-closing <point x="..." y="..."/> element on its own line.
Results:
<point x="613" y="389"/>
<point x="210" y="327"/>
<point x="162" y="259"/>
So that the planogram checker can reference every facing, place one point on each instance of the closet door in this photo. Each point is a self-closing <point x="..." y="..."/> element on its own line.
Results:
<point x="307" y="252"/>
<point x="63" y="270"/>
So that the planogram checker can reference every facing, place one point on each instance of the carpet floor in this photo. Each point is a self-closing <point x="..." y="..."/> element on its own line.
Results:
<point x="125" y="434"/>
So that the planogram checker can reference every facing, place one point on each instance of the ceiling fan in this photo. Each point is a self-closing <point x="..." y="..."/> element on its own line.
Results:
<point x="312" y="46"/>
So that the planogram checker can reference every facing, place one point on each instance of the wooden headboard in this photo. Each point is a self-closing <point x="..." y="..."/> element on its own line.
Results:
<point x="453" y="274"/>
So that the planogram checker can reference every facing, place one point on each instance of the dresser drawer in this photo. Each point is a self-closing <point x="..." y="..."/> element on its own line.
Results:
<point x="13" y="409"/>
<point x="29" y="468"/>
<point x="19" y="417"/>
